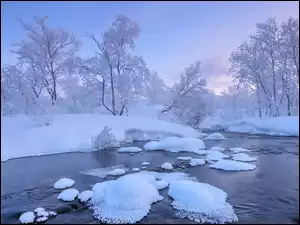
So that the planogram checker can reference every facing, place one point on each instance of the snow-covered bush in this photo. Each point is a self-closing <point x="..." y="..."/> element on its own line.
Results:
<point x="105" y="139"/>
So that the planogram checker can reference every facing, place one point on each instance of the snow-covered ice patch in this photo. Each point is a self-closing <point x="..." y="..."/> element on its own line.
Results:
<point x="184" y="158"/>
<point x="130" y="149"/>
<point x="216" y="155"/>
<point x="167" y="166"/>
<point x="42" y="214"/>
<point x="68" y="195"/>
<point x="135" y="169"/>
<point x="161" y="184"/>
<point x="217" y="149"/>
<point x="239" y="149"/>
<point x="231" y="165"/>
<point x="167" y="176"/>
<point x="201" y="202"/>
<point x="85" y="196"/>
<point x="102" y="172"/>
<point x="197" y="162"/>
<point x="27" y="217"/>
<point x="39" y="209"/>
<point x="116" y="172"/>
<point x="145" y="163"/>
<point x="243" y="157"/>
<point x="41" y="219"/>
<point x="215" y="136"/>
<point x="63" y="183"/>
<point x="51" y="213"/>
<point x="125" y="200"/>
<point x="175" y="144"/>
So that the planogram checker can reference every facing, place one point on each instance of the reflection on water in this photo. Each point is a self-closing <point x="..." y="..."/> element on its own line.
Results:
<point x="268" y="194"/>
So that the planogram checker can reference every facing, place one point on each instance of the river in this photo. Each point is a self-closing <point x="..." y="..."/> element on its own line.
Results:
<point x="268" y="194"/>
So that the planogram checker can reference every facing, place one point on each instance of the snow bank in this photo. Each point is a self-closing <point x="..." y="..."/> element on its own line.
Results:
<point x="217" y="149"/>
<point x="201" y="202"/>
<point x="167" y="166"/>
<point x="231" y="165"/>
<point x="161" y="184"/>
<point x="197" y="162"/>
<point x="125" y="200"/>
<point x="27" y="217"/>
<point x="135" y="169"/>
<point x="145" y="163"/>
<point x="21" y="137"/>
<point x="39" y="209"/>
<point x="130" y="149"/>
<point x="243" y="157"/>
<point x="282" y="126"/>
<point x="85" y="196"/>
<point x="215" y="136"/>
<point x="63" y="183"/>
<point x="68" y="195"/>
<point x="116" y="172"/>
<point x="174" y="144"/>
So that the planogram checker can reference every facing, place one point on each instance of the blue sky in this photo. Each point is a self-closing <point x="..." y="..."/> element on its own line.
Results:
<point x="173" y="34"/>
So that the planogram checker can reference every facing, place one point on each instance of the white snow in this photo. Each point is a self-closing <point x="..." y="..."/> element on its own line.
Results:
<point x="161" y="184"/>
<point x="51" y="213"/>
<point x="215" y="136"/>
<point x="282" y="126"/>
<point x="68" y="195"/>
<point x="184" y="158"/>
<point x="238" y="149"/>
<point x="27" y="217"/>
<point x="85" y="196"/>
<point x="116" y="172"/>
<point x="125" y="200"/>
<point x="217" y="149"/>
<point x="39" y="209"/>
<point x="42" y="214"/>
<point x="144" y="167"/>
<point x="145" y="163"/>
<point x="135" y="169"/>
<point x="243" y="157"/>
<point x="175" y="144"/>
<point x="231" y="165"/>
<point x="168" y="176"/>
<point x="167" y="166"/>
<point x="102" y="172"/>
<point x="215" y="155"/>
<point x="41" y="219"/>
<point x="63" y="183"/>
<point x="201" y="202"/>
<point x="197" y="162"/>
<point x="130" y="149"/>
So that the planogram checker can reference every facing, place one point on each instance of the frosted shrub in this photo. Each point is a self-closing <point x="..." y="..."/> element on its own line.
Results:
<point x="105" y="139"/>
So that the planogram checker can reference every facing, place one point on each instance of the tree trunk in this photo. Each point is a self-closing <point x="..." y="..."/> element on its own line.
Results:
<point x="288" y="105"/>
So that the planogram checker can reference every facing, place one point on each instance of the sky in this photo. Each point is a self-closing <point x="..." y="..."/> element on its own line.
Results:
<point x="173" y="34"/>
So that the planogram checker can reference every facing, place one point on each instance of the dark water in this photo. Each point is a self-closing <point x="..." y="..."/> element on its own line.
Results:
<point x="268" y="194"/>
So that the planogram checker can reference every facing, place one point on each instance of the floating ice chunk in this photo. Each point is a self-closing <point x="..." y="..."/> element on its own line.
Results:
<point x="41" y="219"/>
<point x="145" y="163"/>
<point x="243" y="157"/>
<point x="135" y="169"/>
<point x="68" y="195"/>
<point x="85" y="196"/>
<point x="42" y="214"/>
<point x="215" y="136"/>
<point x="167" y="166"/>
<point x="102" y="172"/>
<point x="130" y="149"/>
<point x="27" y="217"/>
<point x="196" y="162"/>
<point x="184" y="158"/>
<point x="238" y="149"/>
<point x="63" y="183"/>
<point x="175" y="144"/>
<point x="125" y="200"/>
<point x="116" y="172"/>
<point x="231" y="165"/>
<point x="217" y="149"/>
<point x="216" y="155"/>
<point x="39" y="209"/>
<point x="201" y="202"/>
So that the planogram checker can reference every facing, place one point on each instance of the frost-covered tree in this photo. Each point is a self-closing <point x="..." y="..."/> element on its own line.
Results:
<point x="45" y="54"/>
<point x="118" y="74"/>
<point x="186" y="102"/>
